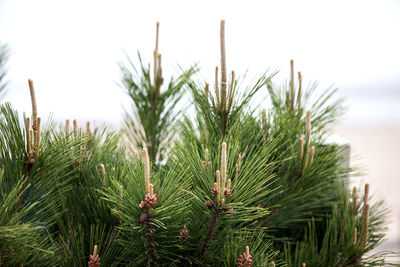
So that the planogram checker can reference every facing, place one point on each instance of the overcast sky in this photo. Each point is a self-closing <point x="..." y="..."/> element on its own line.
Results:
<point x="71" y="48"/>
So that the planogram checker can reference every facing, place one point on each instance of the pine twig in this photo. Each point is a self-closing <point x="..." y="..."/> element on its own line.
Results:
<point x="364" y="227"/>
<point x="299" y="92"/>
<point x="366" y="194"/>
<point x="156" y="63"/>
<point x="35" y="120"/>
<point x="354" y="237"/>
<point x="218" y="175"/>
<point x="230" y="96"/>
<point x="216" y="86"/>
<point x="67" y="127"/>
<point x="37" y="141"/>
<point x="28" y="139"/>
<point x="301" y="149"/>
<point x="34" y="106"/>
<point x="150" y="248"/>
<point x="146" y="169"/>
<point x="237" y="166"/>
<point x="308" y="137"/>
<point x="31" y="138"/>
<point x="312" y="151"/>
<point x="287" y="101"/>
<point x="157" y="30"/>
<point x="223" y="63"/>
<point x="223" y="169"/>
<point x="365" y="218"/>
<point x="210" y="233"/>
<point x="30" y="143"/>
<point x="75" y="128"/>
<point x="292" y="94"/>
<point x="103" y="174"/>
<point x="88" y="131"/>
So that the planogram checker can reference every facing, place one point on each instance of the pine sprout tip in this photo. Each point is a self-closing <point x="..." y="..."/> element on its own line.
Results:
<point x="366" y="193"/>
<point x="146" y="169"/>
<point x="355" y="236"/>
<point x="103" y="170"/>
<point x="151" y="190"/>
<point x="301" y="148"/>
<point x="95" y="250"/>
<point x="312" y="149"/>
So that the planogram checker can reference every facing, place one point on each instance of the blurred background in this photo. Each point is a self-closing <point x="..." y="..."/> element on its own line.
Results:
<point x="71" y="50"/>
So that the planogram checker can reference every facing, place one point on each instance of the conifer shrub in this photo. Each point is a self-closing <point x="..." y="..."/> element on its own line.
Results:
<point x="238" y="187"/>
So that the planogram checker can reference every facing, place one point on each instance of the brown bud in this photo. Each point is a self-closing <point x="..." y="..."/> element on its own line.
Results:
<point x="144" y="217"/>
<point x="183" y="235"/>
<point x="31" y="162"/>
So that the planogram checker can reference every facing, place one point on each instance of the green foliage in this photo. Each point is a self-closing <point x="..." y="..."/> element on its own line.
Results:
<point x="21" y="241"/>
<point x="339" y="244"/>
<point x="52" y="197"/>
<point x="236" y="187"/>
<point x="150" y="121"/>
<point x="214" y="121"/>
<point x="164" y="222"/>
<point x="305" y="192"/>
<point x="89" y="221"/>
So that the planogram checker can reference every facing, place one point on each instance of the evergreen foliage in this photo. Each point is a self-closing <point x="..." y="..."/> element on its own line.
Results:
<point x="151" y="120"/>
<point x="238" y="188"/>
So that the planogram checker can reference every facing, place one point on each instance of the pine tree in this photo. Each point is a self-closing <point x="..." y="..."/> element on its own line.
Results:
<point x="239" y="187"/>
<point x="150" y="122"/>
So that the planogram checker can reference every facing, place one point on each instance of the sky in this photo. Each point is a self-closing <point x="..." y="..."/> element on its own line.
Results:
<point x="71" y="49"/>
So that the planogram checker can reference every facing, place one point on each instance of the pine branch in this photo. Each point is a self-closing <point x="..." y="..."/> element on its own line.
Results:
<point x="150" y="248"/>
<point x="34" y="111"/>
<point x="210" y="233"/>
<point x="223" y="64"/>
<point x="153" y="114"/>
